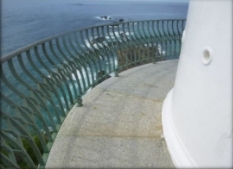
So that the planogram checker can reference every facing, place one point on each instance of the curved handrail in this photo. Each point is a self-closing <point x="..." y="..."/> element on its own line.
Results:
<point x="42" y="81"/>
<point x="25" y="48"/>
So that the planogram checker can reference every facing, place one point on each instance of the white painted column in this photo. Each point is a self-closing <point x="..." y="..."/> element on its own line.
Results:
<point x="197" y="112"/>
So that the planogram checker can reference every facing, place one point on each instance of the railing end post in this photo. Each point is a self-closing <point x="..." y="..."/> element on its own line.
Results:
<point x="116" y="74"/>
<point x="79" y="101"/>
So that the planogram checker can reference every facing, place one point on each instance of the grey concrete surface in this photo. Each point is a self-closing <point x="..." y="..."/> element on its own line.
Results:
<point x="119" y="125"/>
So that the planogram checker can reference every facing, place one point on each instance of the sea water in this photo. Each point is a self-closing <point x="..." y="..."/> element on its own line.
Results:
<point x="27" y="21"/>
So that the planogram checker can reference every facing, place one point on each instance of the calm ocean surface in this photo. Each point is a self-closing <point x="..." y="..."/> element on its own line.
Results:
<point x="27" y="21"/>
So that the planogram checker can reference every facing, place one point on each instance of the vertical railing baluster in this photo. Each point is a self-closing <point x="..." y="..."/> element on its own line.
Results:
<point x="141" y="38"/>
<point x="88" y="59"/>
<point x="35" y="92"/>
<point x="179" y="33"/>
<point x="29" y="100"/>
<point x="61" y="73"/>
<point x="98" y="66"/>
<point x="17" y="146"/>
<point x="101" y="53"/>
<point x="50" y="87"/>
<point x="79" y="64"/>
<point x="106" y="50"/>
<point x="72" y="68"/>
<point x="113" y="47"/>
<point x="54" y="76"/>
<point x="90" y="52"/>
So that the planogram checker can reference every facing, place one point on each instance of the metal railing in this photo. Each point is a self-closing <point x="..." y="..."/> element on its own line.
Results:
<point x="41" y="82"/>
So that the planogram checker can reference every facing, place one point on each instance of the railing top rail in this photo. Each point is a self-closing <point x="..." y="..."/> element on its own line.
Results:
<point x="25" y="48"/>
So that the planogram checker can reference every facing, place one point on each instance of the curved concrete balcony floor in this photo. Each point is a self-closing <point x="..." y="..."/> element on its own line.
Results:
<point x="119" y="124"/>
